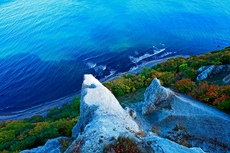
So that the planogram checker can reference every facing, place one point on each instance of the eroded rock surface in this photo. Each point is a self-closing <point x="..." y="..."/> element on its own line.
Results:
<point x="211" y="71"/>
<point x="226" y="80"/>
<point x="205" y="74"/>
<point x="161" y="145"/>
<point x="103" y="120"/>
<point x="101" y="117"/>
<point x="206" y="126"/>
<point x="154" y="95"/>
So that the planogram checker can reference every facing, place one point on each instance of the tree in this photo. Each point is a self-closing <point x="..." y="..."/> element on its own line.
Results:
<point x="183" y="67"/>
<point x="190" y="73"/>
<point x="225" y="59"/>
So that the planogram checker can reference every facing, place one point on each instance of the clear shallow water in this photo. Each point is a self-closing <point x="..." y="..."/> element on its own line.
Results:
<point x="47" y="45"/>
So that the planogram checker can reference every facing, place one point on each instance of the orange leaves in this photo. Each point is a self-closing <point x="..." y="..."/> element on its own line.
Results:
<point x="211" y="94"/>
<point x="123" y="145"/>
<point x="153" y="76"/>
<point x="220" y="99"/>
<point x="184" y="85"/>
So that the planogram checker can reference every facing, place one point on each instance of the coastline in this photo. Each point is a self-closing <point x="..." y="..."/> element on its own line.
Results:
<point x="44" y="109"/>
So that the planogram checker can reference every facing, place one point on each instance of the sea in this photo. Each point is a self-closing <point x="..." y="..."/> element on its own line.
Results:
<point x="46" y="46"/>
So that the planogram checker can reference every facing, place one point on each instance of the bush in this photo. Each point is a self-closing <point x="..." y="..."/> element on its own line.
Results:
<point x="207" y="93"/>
<point x="7" y="136"/>
<point x="76" y="104"/>
<point x="168" y="78"/>
<point x="184" y="85"/>
<point x="224" y="105"/>
<point x="225" y="59"/>
<point x="123" y="144"/>
<point x="190" y="73"/>
<point x="183" y="67"/>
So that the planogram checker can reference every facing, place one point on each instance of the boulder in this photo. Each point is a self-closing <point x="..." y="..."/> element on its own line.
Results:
<point x="102" y="118"/>
<point x="51" y="146"/>
<point x="218" y="69"/>
<point x="202" y="68"/>
<point x="131" y="112"/>
<point x="154" y="94"/>
<point x="205" y="74"/>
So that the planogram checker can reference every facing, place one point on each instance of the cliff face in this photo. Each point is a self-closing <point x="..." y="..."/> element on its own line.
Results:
<point x="102" y="120"/>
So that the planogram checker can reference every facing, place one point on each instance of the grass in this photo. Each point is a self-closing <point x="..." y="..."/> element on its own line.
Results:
<point x="216" y="80"/>
<point x="133" y="97"/>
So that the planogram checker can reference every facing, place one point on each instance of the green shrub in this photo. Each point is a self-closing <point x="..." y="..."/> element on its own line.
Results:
<point x="190" y="73"/>
<point x="76" y="104"/>
<point x="183" y="67"/>
<point x="225" y="59"/>
<point x="224" y="105"/>
<point x="7" y="136"/>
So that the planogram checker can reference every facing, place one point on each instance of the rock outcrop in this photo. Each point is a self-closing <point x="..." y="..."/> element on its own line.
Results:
<point x="204" y="75"/>
<point x="226" y="80"/>
<point x="102" y="120"/>
<point x="210" y="71"/>
<point x="101" y="117"/>
<point x="155" y="94"/>
<point x="161" y="145"/>
<point x="206" y="126"/>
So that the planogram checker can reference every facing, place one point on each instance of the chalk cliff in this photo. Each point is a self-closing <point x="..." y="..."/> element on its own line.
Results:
<point x="102" y="120"/>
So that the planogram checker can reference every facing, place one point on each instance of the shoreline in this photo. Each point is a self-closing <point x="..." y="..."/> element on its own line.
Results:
<point x="45" y="108"/>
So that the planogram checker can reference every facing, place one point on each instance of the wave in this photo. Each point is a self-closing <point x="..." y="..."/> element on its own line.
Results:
<point x="91" y="65"/>
<point x="111" y="73"/>
<point x="99" y="68"/>
<point x="133" y="68"/>
<point x="166" y="54"/>
<point x="147" y="55"/>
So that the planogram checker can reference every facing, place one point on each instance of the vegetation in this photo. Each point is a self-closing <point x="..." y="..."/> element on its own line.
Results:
<point x="32" y="132"/>
<point x="180" y="74"/>
<point x="123" y="144"/>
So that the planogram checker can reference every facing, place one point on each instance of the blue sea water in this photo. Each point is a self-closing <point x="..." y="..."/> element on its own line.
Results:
<point x="47" y="45"/>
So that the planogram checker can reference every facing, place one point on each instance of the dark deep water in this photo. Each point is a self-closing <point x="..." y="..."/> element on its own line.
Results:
<point x="47" y="45"/>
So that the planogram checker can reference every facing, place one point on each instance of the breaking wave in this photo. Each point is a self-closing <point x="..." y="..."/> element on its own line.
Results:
<point x="147" y="55"/>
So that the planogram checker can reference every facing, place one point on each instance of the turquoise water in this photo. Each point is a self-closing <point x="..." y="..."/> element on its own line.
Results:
<point x="47" y="45"/>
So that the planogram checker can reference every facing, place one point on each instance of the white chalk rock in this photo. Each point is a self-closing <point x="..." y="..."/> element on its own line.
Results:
<point x="205" y="74"/>
<point x="154" y="95"/>
<point x="101" y="118"/>
<point x="161" y="145"/>
<point x="202" y="68"/>
<point x="226" y="80"/>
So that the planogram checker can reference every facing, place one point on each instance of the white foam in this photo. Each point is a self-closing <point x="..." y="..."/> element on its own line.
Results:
<point x="91" y="65"/>
<point x="100" y="68"/>
<point x="138" y="59"/>
<point x="166" y="54"/>
<point x="111" y="73"/>
<point x="133" y="68"/>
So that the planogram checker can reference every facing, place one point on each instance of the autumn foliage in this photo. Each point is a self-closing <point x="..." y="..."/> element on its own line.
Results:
<point x="32" y="132"/>
<point x="123" y="145"/>
<point x="184" y="85"/>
